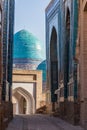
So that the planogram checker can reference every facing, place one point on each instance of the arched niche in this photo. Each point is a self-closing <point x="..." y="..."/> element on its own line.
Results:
<point x="66" y="54"/>
<point x="53" y="66"/>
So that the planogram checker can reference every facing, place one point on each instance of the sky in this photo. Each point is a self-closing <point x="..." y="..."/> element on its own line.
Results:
<point x="30" y="15"/>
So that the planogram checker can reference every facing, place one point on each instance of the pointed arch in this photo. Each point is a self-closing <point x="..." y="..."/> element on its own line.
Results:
<point x="67" y="54"/>
<point x="53" y="66"/>
<point x="53" y="45"/>
<point x="28" y="98"/>
<point x="68" y="19"/>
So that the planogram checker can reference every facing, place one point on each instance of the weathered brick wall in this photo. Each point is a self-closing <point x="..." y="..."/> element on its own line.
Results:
<point x="6" y="114"/>
<point x="83" y="61"/>
<point x="1" y="116"/>
<point x="69" y="112"/>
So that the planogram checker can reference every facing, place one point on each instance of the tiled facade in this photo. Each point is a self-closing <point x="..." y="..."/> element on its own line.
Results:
<point x="7" y="39"/>
<point x="1" y="67"/>
<point x="6" y="44"/>
<point x="66" y="38"/>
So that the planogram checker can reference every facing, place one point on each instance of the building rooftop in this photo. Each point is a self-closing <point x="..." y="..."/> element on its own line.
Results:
<point x="27" y="46"/>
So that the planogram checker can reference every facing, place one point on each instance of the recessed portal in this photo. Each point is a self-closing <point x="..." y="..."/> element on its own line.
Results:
<point x="53" y="66"/>
<point x="23" y="105"/>
<point x="66" y="55"/>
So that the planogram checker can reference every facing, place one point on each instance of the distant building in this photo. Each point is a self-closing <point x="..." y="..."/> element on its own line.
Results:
<point x="27" y="91"/>
<point x="29" y="73"/>
<point x="28" y="51"/>
<point x="6" y="51"/>
<point x="66" y="38"/>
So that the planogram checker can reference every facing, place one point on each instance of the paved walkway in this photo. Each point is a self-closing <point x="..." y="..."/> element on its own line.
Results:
<point x="40" y="122"/>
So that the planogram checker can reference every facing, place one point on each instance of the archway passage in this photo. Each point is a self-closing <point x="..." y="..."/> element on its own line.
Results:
<point x="53" y="66"/>
<point x="23" y="102"/>
<point x="23" y="105"/>
<point x="67" y="55"/>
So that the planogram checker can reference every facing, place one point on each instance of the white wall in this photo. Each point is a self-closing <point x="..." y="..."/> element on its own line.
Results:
<point x="30" y="87"/>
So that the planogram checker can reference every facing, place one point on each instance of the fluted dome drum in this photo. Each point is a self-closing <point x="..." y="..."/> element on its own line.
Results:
<point x="28" y="51"/>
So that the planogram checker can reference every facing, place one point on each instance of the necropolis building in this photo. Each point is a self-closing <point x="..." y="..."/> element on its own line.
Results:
<point x="65" y="23"/>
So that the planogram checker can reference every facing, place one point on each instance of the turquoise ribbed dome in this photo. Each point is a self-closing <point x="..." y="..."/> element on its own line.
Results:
<point x="27" y="46"/>
<point x="42" y="66"/>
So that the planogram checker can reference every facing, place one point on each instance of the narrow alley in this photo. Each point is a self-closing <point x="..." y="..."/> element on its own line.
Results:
<point x="40" y="122"/>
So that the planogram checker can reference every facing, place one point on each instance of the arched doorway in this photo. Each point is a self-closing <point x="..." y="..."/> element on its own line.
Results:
<point x="67" y="55"/>
<point x="53" y="67"/>
<point x="25" y="103"/>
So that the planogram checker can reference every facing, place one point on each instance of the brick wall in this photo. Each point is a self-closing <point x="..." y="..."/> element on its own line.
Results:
<point x="83" y="61"/>
<point x="6" y="114"/>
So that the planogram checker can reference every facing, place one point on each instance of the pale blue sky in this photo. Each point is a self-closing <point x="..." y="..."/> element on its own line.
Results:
<point x="30" y="15"/>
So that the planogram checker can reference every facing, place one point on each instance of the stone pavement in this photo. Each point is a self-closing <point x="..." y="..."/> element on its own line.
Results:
<point x="40" y="122"/>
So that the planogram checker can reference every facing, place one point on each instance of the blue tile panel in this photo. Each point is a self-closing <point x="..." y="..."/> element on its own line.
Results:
<point x="72" y="69"/>
<point x="29" y="64"/>
<point x="5" y="44"/>
<point x="10" y="44"/>
<point x="73" y="7"/>
<point x="7" y="39"/>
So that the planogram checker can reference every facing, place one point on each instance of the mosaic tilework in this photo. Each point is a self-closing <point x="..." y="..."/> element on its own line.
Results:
<point x="26" y="45"/>
<point x="7" y="39"/>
